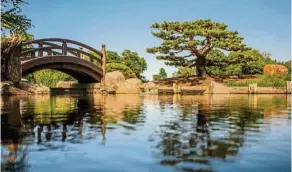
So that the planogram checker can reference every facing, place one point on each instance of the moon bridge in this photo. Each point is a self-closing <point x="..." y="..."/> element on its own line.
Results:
<point x="81" y="61"/>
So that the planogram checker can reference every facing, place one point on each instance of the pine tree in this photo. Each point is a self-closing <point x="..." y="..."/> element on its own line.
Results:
<point x="187" y="44"/>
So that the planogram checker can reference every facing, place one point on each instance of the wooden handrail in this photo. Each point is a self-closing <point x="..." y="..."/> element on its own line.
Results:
<point x="56" y="45"/>
<point x="31" y="50"/>
<point x="64" y="48"/>
<point x="62" y="40"/>
<point x="40" y="51"/>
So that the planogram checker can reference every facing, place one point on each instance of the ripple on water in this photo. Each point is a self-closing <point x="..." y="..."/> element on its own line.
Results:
<point x="135" y="133"/>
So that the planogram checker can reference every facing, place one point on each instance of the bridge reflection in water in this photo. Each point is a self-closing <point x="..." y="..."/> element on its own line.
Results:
<point x="189" y="129"/>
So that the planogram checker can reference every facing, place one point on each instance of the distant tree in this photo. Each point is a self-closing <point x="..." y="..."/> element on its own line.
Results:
<point x="184" y="72"/>
<point x="129" y="63"/>
<point x="12" y="19"/>
<point x="113" y="57"/>
<point x="268" y="58"/>
<point x="94" y="60"/>
<point x="136" y="63"/>
<point x="248" y="62"/>
<point x="161" y="75"/>
<point x="127" y="72"/>
<point x="235" y="63"/>
<point x="188" y="43"/>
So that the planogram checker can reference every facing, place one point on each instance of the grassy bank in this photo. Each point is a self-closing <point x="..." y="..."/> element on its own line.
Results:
<point x="262" y="81"/>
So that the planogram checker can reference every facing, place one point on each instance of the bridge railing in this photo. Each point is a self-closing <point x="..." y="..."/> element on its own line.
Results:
<point x="58" y="46"/>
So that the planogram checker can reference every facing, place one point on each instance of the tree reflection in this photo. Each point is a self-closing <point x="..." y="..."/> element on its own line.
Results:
<point x="14" y="151"/>
<point x="202" y="130"/>
<point x="213" y="131"/>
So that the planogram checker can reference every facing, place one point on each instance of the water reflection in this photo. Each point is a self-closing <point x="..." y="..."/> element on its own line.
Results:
<point x="41" y="119"/>
<point x="217" y="130"/>
<point x="186" y="133"/>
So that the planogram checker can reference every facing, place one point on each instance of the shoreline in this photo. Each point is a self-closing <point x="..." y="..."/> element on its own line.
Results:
<point x="159" y="91"/>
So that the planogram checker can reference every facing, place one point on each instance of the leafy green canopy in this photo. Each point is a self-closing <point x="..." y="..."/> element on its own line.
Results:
<point x="130" y="59"/>
<point x="161" y="75"/>
<point x="136" y="63"/>
<point x="113" y="57"/>
<point x="128" y="73"/>
<point x="237" y="63"/>
<point x="248" y="62"/>
<point x="12" y="19"/>
<point x="184" y="72"/>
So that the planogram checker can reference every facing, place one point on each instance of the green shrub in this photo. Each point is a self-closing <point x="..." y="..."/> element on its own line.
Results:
<point x="184" y="72"/>
<point x="262" y="81"/>
<point x="128" y="73"/>
<point x="48" y="77"/>
<point x="161" y="75"/>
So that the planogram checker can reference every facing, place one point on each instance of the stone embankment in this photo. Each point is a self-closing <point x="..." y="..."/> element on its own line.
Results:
<point x="22" y="88"/>
<point x="115" y="83"/>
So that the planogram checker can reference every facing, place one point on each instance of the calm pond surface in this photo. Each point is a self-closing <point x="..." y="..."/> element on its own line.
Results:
<point x="146" y="133"/>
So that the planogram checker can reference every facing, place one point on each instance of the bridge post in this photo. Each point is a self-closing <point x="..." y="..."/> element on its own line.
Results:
<point x="103" y="65"/>
<point x="80" y="55"/>
<point x="64" y="48"/>
<point x="40" y="53"/>
<point x="32" y="55"/>
<point x="49" y="52"/>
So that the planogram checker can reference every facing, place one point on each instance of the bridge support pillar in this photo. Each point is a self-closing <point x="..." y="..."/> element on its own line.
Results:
<point x="103" y="66"/>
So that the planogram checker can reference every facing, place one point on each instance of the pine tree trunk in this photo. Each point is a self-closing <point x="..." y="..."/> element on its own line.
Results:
<point x="200" y="65"/>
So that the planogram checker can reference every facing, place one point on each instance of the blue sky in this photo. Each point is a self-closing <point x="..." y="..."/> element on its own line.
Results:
<point x="125" y="24"/>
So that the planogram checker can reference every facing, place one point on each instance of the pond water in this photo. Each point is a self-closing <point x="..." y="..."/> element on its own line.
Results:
<point x="146" y="133"/>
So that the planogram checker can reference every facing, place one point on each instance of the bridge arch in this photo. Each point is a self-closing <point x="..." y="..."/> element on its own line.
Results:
<point x="64" y="55"/>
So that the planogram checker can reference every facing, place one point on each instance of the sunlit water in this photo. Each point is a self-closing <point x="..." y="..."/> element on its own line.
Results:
<point x="146" y="133"/>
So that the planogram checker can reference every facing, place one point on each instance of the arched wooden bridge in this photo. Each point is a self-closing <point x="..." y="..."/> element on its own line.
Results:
<point x="81" y="61"/>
